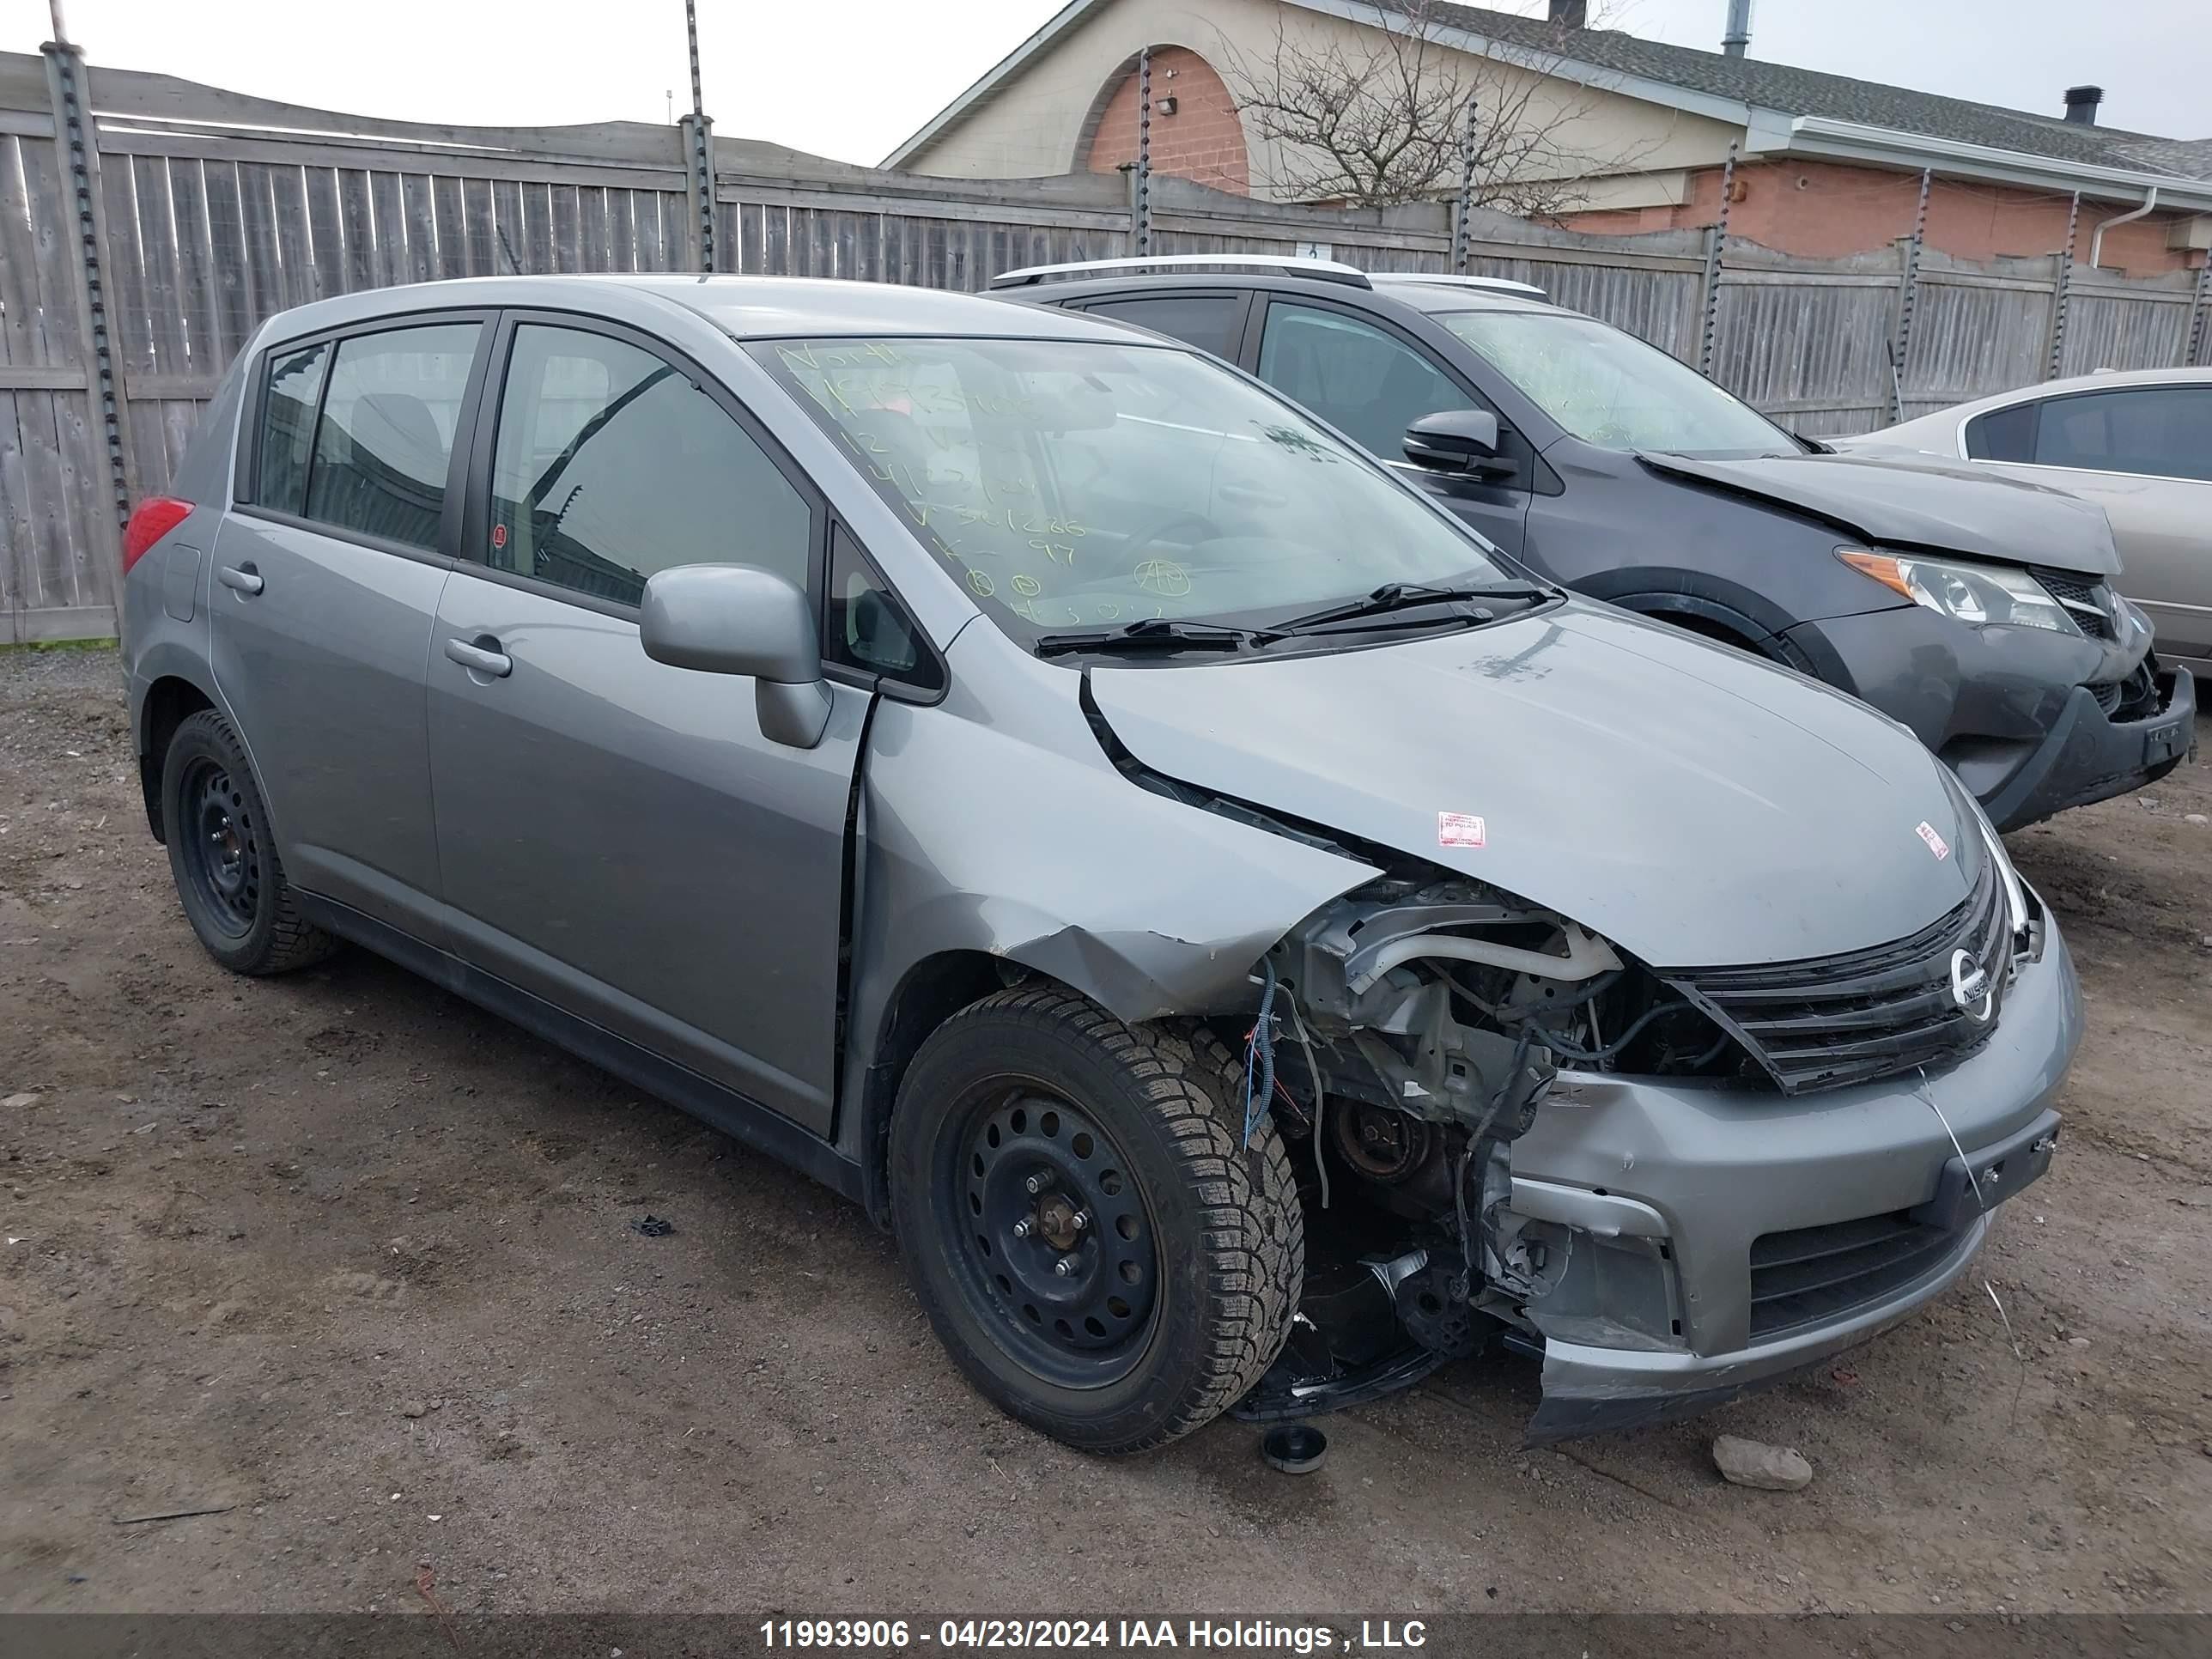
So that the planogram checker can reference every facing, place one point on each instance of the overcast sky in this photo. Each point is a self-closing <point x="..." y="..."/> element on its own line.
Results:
<point x="851" y="78"/>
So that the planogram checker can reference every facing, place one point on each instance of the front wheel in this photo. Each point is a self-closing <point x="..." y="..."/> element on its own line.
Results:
<point x="1102" y="1255"/>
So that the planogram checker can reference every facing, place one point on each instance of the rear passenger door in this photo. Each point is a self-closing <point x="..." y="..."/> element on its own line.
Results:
<point x="617" y="837"/>
<point x="327" y="575"/>
<point x="1372" y="382"/>
<point x="2144" y="455"/>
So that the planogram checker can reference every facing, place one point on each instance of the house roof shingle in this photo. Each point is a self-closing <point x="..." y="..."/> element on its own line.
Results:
<point x="1796" y="91"/>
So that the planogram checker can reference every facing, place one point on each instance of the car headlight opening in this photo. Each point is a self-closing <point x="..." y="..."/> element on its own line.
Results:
<point x="1979" y="595"/>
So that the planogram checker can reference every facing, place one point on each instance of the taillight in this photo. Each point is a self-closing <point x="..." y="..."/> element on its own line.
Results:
<point x="151" y="519"/>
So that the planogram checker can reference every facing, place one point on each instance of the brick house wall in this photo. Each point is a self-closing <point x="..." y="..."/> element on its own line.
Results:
<point x="1828" y="210"/>
<point x="1203" y="140"/>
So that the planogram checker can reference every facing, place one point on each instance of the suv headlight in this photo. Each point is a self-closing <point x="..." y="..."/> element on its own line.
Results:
<point x="1979" y="595"/>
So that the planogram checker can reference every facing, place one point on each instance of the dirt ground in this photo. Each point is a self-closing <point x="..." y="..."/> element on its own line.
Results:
<point x="347" y="1255"/>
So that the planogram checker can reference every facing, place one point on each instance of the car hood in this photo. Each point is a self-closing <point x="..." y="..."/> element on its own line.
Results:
<point x="1902" y="498"/>
<point x="1697" y="807"/>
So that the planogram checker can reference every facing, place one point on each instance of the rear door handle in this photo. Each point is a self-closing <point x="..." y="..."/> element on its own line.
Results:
<point x="480" y="656"/>
<point x="239" y="578"/>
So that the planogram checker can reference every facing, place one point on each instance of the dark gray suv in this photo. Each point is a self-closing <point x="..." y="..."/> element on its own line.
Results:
<point x="1978" y="610"/>
<point x="957" y="748"/>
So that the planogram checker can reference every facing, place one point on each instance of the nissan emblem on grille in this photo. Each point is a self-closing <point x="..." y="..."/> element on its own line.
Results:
<point x="1971" y="988"/>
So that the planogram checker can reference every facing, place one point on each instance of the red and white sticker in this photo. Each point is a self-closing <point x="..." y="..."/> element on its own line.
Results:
<point x="1460" y="829"/>
<point x="1936" y="844"/>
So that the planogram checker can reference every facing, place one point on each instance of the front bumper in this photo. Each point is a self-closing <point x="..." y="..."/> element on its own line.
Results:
<point x="2012" y="711"/>
<point x="1684" y="1201"/>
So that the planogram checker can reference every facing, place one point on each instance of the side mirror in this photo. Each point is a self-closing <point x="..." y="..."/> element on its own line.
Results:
<point x="1457" y="440"/>
<point x="740" y="619"/>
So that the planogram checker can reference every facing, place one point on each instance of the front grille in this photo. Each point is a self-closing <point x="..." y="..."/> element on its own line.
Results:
<point x="1836" y="1020"/>
<point x="1811" y="1275"/>
<point x="2107" y="694"/>
<point x="2072" y="591"/>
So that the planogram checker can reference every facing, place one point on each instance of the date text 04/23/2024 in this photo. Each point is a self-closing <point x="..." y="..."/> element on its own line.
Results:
<point x="1242" y="1635"/>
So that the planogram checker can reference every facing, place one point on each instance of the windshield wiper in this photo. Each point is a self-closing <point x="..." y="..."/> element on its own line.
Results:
<point x="1155" y="633"/>
<point x="1404" y="596"/>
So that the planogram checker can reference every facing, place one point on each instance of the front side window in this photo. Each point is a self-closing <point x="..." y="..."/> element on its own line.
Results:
<point x="1354" y="375"/>
<point x="287" y="426"/>
<point x="2163" y="432"/>
<point x="1080" y="484"/>
<point x="1610" y="389"/>
<point x="385" y="439"/>
<point x="611" y="464"/>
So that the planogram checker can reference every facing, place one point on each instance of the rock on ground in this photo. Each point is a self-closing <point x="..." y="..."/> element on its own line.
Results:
<point x="1754" y="1463"/>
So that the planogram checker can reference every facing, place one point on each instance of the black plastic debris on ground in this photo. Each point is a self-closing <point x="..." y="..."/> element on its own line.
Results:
<point x="652" y="1226"/>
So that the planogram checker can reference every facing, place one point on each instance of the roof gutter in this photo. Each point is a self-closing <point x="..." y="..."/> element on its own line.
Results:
<point x="1815" y="135"/>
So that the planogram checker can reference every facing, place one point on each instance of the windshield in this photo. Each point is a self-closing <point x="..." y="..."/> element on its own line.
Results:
<point x="1087" y="485"/>
<point x="1610" y="389"/>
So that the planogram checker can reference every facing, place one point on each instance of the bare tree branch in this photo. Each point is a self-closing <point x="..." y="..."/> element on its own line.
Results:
<point x="1377" y="116"/>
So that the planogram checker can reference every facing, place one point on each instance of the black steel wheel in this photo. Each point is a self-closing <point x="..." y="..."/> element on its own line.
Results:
<point x="223" y="858"/>
<point x="1095" y="1244"/>
<point x="221" y="845"/>
<point x="1062" y="1251"/>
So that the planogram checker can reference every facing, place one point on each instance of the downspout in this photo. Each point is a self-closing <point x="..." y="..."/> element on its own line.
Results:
<point x="2096" y="240"/>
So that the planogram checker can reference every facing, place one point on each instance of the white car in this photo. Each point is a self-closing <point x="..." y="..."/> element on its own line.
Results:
<point x="2138" y="444"/>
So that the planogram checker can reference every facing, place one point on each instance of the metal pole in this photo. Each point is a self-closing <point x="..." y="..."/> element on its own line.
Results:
<point x="1904" y="305"/>
<point x="61" y="30"/>
<point x="2062" y="291"/>
<point x="699" y="147"/>
<point x="1144" y="152"/>
<point x="78" y="149"/>
<point x="1715" y="240"/>
<point x="1465" y="187"/>
<point x="2196" y="314"/>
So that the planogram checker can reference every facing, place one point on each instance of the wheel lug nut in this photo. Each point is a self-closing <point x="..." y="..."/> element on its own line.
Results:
<point x="1039" y="1182"/>
<point x="1079" y="1220"/>
<point x="1025" y="1227"/>
<point x="1063" y="1266"/>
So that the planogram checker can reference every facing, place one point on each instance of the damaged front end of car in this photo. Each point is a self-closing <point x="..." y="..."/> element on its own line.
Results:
<point x="1415" y="1030"/>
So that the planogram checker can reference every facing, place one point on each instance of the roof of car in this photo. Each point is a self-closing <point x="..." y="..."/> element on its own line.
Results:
<point x="748" y="308"/>
<point x="1407" y="290"/>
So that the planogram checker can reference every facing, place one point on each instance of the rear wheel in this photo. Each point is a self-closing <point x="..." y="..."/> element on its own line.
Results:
<point x="223" y="859"/>
<point x="1094" y="1245"/>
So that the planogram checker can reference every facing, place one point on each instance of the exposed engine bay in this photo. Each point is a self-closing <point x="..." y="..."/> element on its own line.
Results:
<point x="1407" y="1035"/>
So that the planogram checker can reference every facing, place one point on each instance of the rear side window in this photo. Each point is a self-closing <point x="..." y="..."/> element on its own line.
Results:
<point x="1352" y="375"/>
<point x="287" y="426"/>
<point x="386" y="438"/>
<point x="2003" y="435"/>
<point x="612" y="465"/>
<point x="2157" y="431"/>
<point x="1209" y="321"/>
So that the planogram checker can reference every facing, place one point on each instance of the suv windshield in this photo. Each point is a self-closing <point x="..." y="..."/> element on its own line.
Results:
<point x="1087" y="485"/>
<point x="1610" y="389"/>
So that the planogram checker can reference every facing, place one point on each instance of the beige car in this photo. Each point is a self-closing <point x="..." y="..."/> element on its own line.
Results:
<point x="2140" y="446"/>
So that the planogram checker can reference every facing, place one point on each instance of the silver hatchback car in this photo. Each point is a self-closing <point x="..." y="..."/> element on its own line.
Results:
<point x="1251" y="941"/>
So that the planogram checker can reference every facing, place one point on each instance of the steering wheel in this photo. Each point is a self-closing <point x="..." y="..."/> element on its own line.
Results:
<point x="1137" y="545"/>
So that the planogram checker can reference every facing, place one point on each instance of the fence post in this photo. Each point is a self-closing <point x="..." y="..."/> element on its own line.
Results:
<point x="1466" y="188"/>
<point x="2061" y="290"/>
<point x="77" y="145"/>
<point x="1141" y="226"/>
<point x="2196" y="353"/>
<point x="1911" y="292"/>
<point x="1715" y="239"/>
<point x="698" y="155"/>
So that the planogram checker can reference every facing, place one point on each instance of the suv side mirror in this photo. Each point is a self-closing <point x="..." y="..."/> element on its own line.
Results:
<point x="740" y="619"/>
<point x="1457" y="440"/>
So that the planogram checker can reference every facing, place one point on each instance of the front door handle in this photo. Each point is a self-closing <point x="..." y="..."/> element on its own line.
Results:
<point x="481" y="656"/>
<point x="239" y="578"/>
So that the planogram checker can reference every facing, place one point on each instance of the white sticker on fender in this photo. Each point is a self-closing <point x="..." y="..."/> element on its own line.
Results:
<point x="1460" y="829"/>
<point x="1936" y="844"/>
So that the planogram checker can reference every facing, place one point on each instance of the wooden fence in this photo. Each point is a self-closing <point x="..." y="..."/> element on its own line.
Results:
<point x="147" y="224"/>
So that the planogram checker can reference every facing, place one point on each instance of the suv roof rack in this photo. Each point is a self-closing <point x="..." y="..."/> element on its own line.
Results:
<point x="1497" y="284"/>
<point x="1321" y="270"/>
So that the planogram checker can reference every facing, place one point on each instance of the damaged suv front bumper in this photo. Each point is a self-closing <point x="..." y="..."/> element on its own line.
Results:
<point x="1731" y="1239"/>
